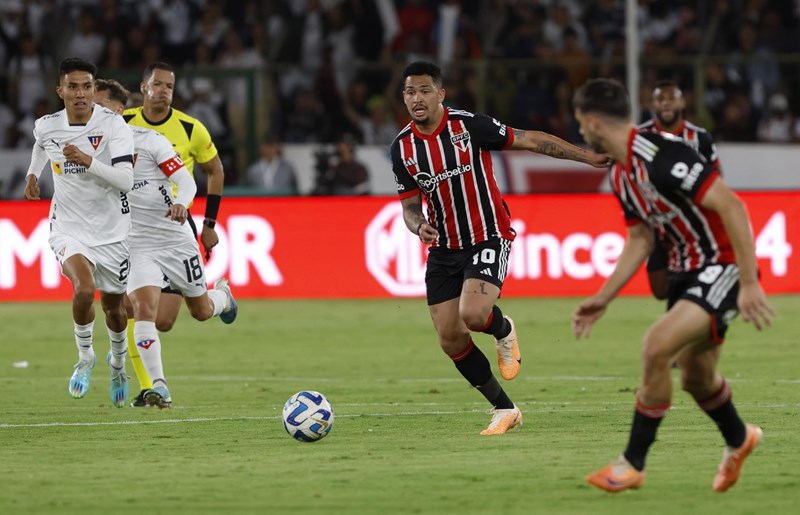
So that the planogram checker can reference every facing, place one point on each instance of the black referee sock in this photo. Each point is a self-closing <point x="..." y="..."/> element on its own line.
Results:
<point x="475" y="368"/>
<point x="497" y="324"/>
<point x="643" y="434"/>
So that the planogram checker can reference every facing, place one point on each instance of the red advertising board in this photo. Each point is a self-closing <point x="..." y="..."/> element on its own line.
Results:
<point x="359" y="247"/>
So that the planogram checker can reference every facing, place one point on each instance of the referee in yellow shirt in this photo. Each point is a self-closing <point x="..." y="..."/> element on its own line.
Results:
<point x="192" y="142"/>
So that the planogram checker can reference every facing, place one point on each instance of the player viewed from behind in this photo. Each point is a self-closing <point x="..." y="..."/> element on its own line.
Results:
<point x="90" y="150"/>
<point x="162" y="244"/>
<point x="444" y="154"/>
<point x="192" y="142"/>
<point x="664" y="185"/>
<point x="667" y="106"/>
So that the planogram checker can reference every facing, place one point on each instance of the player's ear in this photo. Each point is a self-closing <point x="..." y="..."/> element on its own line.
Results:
<point x="59" y="93"/>
<point x="142" y="88"/>
<point x="441" y="95"/>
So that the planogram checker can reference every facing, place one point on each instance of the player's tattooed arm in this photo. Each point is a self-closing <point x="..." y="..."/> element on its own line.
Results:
<point x="553" y="146"/>
<point x="415" y="220"/>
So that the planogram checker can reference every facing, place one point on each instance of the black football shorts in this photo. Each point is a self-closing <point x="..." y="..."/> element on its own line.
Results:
<point x="448" y="268"/>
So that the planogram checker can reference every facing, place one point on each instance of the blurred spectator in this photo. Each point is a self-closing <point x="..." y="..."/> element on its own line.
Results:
<point x="306" y="121"/>
<point x="28" y="71"/>
<point x="212" y="27"/>
<point x="272" y="173"/>
<point x="736" y="122"/>
<point x="416" y="26"/>
<point x="501" y="93"/>
<point x="778" y="125"/>
<point x="688" y="34"/>
<point x="176" y="29"/>
<point x="753" y="64"/>
<point x="341" y="173"/>
<point x="6" y="125"/>
<point x="574" y="60"/>
<point x="24" y="128"/>
<point x="377" y="127"/>
<point x="86" y="42"/>
<point x="201" y="105"/>
<point x="238" y="57"/>
<point x="555" y="27"/>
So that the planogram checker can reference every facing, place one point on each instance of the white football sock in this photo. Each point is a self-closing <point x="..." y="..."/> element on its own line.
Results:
<point x="219" y="301"/>
<point x="149" y="346"/>
<point x="83" y="339"/>
<point x="119" y="347"/>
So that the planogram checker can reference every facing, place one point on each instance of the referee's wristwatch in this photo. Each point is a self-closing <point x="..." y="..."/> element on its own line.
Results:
<point x="210" y="223"/>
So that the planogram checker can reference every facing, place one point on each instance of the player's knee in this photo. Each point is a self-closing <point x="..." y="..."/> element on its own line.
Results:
<point x="83" y="294"/>
<point x="164" y="325"/>
<point x="699" y="386"/>
<point x="655" y="351"/>
<point x="200" y="312"/>
<point x="474" y="318"/>
<point x="453" y="342"/>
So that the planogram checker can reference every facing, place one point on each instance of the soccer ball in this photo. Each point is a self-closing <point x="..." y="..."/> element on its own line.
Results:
<point x="307" y="416"/>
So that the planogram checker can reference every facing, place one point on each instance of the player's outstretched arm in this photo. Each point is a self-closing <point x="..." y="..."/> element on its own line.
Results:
<point x="553" y="146"/>
<point x="637" y="247"/>
<point x="752" y="301"/>
<point x="415" y="220"/>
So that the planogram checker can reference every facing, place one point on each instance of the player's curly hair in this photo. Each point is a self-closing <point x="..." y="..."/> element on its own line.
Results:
<point x="604" y="96"/>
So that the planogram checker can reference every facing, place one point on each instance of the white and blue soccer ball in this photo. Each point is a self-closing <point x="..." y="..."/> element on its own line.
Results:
<point x="307" y="416"/>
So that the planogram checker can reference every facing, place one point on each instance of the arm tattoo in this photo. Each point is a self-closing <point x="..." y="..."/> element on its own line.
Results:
<point x="551" y="149"/>
<point x="518" y="134"/>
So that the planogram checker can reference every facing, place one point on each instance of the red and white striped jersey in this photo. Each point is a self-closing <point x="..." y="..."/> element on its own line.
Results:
<point x="694" y="136"/>
<point x="662" y="184"/>
<point x="452" y="168"/>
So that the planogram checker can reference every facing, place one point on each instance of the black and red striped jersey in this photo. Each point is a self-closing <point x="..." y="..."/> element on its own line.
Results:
<point x="452" y="168"/>
<point x="694" y="136"/>
<point x="662" y="184"/>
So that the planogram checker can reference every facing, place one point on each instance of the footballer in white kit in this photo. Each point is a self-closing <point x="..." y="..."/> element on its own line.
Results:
<point x="159" y="245"/>
<point x="90" y="150"/>
<point x="162" y="245"/>
<point x="88" y="214"/>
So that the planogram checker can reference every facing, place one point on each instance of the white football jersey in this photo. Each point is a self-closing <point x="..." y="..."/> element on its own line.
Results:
<point x="151" y="196"/>
<point x="85" y="206"/>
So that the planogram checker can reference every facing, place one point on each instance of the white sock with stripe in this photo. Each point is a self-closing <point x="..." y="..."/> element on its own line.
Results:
<point x="119" y="347"/>
<point x="83" y="339"/>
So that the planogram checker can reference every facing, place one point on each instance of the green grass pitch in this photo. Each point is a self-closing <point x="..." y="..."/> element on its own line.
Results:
<point x="405" y="439"/>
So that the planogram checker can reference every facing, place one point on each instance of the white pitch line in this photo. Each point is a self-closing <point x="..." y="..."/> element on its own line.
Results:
<point x="604" y="409"/>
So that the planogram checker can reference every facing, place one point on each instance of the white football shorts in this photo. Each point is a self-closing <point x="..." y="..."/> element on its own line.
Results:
<point x="111" y="262"/>
<point x="181" y="265"/>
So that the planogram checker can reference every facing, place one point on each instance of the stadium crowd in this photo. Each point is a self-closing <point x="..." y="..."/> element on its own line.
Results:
<point x="328" y="68"/>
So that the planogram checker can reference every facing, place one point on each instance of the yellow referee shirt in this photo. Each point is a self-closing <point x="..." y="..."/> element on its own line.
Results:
<point x="188" y="135"/>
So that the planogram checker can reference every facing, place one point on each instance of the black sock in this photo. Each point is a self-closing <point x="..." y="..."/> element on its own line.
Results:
<point x="475" y="368"/>
<point x="497" y="325"/>
<point x="643" y="434"/>
<point x="722" y="411"/>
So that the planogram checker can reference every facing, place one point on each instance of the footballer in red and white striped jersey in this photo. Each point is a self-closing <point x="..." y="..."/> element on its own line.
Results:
<point x="662" y="184"/>
<point x="452" y="168"/>
<point x="696" y="137"/>
<point x="667" y="106"/>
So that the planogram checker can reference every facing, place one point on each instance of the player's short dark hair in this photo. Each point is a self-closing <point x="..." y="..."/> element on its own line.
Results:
<point x="116" y="91"/>
<point x="76" y="64"/>
<point x="604" y="96"/>
<point x="424" y="68"/>
<point x="666" y="83"/>
<point x="158" y="65"/>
